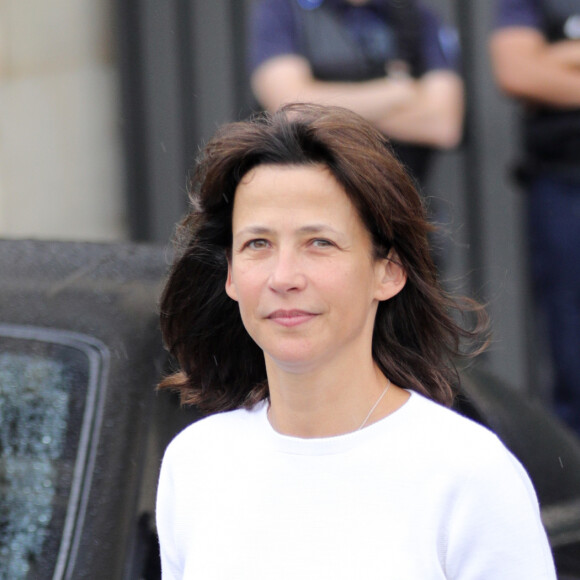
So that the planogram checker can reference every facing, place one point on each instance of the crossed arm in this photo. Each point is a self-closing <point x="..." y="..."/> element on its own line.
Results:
<point x="526" y="66"/>
<point x="427" y="111"/>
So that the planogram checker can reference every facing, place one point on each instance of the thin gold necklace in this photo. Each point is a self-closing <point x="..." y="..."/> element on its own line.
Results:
<point x="375" y="405"/>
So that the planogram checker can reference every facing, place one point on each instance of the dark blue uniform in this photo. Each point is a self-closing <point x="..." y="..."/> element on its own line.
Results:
<point x="550" y="170"/>
<point x="346" y="42"/>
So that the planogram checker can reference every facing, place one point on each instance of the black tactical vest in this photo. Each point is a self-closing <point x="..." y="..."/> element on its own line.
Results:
<point x="336" y="54"/>
<point x="552" y="136"/>
<point x="561" y="19"/>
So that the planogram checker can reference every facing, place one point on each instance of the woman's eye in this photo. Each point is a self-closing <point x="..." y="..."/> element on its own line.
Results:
<point x="257" y="244"/>
<point x="322" y="243"/>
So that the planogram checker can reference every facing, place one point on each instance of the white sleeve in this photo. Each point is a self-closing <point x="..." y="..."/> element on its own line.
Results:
<point x="495" y="531"/>
<point x="171" y="567"/>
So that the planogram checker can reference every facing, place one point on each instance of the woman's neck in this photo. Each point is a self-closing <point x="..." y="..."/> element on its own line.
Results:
<point x="327" y="402"/>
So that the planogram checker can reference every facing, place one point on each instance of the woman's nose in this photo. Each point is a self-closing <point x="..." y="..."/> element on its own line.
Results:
<point x="287" y="272"/>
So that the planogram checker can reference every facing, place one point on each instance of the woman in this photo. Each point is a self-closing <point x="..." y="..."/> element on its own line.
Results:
<point x="305" y="313"/>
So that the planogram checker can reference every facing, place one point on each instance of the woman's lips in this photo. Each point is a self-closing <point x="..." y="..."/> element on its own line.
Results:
<point x="290" y="317"/>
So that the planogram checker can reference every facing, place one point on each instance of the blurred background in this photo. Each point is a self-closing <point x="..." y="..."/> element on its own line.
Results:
<point x="104" y="105"/>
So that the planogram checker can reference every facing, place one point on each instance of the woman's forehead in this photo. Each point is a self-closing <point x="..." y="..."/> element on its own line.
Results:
<point x="271" y="183"/>
<point x="308" y="197"/>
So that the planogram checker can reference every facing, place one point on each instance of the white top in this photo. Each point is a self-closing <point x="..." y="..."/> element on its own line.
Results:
<point x="423" y="494"/>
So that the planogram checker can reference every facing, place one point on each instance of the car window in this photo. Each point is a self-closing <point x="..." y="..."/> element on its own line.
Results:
<point x="51" y="385"/>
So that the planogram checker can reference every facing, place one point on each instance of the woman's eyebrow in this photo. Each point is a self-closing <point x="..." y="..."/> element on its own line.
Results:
<point x="337" y="235"/>
<point x="254" y="230"/>
<point x="317" y="228"/>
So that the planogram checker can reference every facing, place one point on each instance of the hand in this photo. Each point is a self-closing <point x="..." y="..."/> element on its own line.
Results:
<point x="566" y="52"/>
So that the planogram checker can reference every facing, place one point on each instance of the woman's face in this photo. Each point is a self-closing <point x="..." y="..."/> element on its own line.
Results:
<point x="302" y="267"/>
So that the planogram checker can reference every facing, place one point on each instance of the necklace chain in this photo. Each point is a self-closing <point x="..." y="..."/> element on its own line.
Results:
<point x="375" y="405"/>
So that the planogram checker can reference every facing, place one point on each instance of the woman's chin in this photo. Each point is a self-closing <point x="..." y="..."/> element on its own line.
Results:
<point x="293" y="360"/>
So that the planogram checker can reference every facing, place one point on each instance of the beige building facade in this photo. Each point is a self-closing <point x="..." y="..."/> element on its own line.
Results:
<point x="61" y="168"/>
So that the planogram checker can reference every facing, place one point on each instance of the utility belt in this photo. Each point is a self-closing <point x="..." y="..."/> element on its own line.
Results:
<point x="553" y="137"/>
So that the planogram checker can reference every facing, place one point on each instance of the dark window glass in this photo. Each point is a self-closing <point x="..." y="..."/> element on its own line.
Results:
<point x="50" y="385"/>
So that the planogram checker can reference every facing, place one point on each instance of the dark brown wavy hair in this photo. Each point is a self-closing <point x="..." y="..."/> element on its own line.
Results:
<point x="416" y="338"/>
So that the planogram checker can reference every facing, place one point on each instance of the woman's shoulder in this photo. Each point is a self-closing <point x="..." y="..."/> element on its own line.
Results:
<point x="217" y="430"/>
<point x="457" y="438"/>
<point x="467" y="450"/>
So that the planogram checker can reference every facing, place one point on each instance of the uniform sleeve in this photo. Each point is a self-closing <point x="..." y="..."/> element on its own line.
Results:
<point x="171" y="568"/>
<point x="271" y="32"/>
<point x="439" y="43"/>
<point x="495" y="530"/>
<point x="518" y="13"/>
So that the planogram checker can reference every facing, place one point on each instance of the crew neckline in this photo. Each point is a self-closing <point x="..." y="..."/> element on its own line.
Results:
<point x="334" y="444"/>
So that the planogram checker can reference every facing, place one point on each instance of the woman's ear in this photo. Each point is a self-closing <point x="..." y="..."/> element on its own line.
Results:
<point x="230" y="286"/>
<point x="391" y="277"/>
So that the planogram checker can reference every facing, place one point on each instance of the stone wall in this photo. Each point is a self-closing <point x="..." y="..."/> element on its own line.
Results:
<point x="60" y="143"/>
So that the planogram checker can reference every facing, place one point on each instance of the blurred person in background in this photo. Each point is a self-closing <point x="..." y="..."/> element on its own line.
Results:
<point x="391" y="62"/>
<point x="535" y="51"/>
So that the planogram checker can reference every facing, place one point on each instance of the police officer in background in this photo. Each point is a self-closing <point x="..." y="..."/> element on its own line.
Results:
<point x="390" y="61"/>
<point x="535" y="51"/>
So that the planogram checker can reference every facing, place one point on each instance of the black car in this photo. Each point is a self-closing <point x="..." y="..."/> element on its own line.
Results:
<point x="82" y="430"/>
